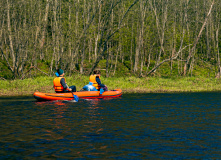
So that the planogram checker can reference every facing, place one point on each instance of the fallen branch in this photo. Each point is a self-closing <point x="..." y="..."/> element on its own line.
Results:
<point x="2" y="78"/>
<point x="197" y="39"/>
<point x="32" y="67"/>
<point x="166" y="60"/>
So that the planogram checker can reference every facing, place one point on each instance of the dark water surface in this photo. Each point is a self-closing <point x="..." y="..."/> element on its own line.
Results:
<point x="135" y="126"/>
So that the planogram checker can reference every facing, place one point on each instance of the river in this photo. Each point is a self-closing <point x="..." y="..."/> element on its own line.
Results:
<point x="134" y="126"/>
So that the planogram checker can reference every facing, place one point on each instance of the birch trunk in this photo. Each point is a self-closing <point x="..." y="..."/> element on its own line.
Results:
<point x="10" y="38"/>
<point x="45" y="22"/>
<point x="160" y="31"/>
<point x="218" y="56"/>
<point x="186" y="66"/>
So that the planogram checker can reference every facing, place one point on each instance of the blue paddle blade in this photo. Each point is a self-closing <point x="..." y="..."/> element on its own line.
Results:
<point x="57" y="74"/>
<point x="76" y="98"/>
<point x="101" y="91"/>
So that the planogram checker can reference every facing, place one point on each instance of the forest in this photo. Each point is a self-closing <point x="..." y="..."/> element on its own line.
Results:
<point x="121" y="38"/>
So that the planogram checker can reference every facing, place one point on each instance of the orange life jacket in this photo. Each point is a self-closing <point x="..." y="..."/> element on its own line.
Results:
<point x="57" y="84"/>
<point x="93" y="80"/>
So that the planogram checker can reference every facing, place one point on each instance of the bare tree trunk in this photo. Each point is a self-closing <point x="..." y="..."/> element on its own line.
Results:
<point x="74" y="54"/>
<point x="107" y="61"/>
<point x="1" y="31"/>
<point x="83" y="49"/>
<point x="69" y="25"/>
<point x="10" y="38"/>
<point x="132" y="44"/>
<point x="45" y="23"/>
<point x="148" y="64"/>
<point x="54" y="37"/>
<point x="218" y="57"/>
<point x="143" y="10"/>
<point x="173" y="42"/>
<point x="103" y="41"/>
<point x="160" y="31"/>
<point x="136" y="60"/>
<point x="207" y="37"/>
<point x="90" y="49"/>
<point x="111" y="63"/>
<point x="53" y="55"/>
<point x="116" y="60"/>
<point x="196" y="40"/>
<point x="208" y="50"/>
<point x="34" y="55"/>
<point x="98" y="30"/>
<point x="109" y="46"/>
<point x="82" y="58"/>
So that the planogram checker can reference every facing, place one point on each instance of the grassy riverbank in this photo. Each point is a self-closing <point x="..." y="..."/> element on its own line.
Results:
<point x="127" y="84"/>
<point x="27" y="87"/>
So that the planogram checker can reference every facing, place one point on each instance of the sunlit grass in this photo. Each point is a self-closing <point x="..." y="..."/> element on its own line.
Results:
<point x="127" y="84"/>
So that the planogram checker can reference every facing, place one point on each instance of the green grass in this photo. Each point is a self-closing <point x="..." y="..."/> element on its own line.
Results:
<point x="127" y="84"/>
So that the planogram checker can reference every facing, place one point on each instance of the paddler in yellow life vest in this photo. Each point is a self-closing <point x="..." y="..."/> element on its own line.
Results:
<point x="95" y="79"/>
<point x="60" y="84"/>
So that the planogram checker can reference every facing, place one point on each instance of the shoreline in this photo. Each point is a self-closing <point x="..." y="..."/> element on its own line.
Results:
<point x="124" y="91"/>
<point x="27" y="87"/>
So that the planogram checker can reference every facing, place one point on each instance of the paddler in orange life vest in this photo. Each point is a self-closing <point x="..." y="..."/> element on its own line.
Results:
<point x="95" y="79"/>
<point x="60" y="84"/>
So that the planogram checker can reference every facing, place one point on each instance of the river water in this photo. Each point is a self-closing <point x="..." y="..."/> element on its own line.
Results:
<point x="134" y="126"/>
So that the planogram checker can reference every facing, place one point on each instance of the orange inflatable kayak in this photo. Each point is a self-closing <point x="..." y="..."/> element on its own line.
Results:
<point x="81" y="94"/>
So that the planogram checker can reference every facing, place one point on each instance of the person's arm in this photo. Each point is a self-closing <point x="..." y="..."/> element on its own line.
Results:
<point x="65" y="86"/>
<point x="99" y="82"/>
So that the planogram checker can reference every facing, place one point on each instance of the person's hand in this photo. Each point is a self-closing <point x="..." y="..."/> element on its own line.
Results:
<point x="69" y="89"/>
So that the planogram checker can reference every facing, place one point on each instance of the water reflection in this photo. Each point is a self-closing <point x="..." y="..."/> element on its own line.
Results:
<point x="78" y="124"/>
<point x="58" y="121"/>
<point x="93" y="102"/>
<point x="136" y="126"/>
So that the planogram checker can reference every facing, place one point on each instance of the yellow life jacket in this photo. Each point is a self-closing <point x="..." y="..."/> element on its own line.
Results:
<point x="93" y="80"/>
<point x="57" y="84"/>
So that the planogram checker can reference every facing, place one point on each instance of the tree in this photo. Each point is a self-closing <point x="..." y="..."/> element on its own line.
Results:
<point x="196" y="40"/>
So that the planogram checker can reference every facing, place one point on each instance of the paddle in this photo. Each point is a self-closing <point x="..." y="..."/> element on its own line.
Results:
<point x="57" y="74"/>
<point x="101" y="91"/>
<point x="76" y="98"/>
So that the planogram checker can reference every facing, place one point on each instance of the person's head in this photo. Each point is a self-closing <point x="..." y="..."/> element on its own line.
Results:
<point x="97" y="72"/>
<point x="60" y="72"/>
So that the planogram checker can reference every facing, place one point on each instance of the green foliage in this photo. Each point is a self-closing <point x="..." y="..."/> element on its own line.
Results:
<point x="5" y="72"/>
<point x="127" y="64"/>
<point x="71" y="28"/>
<point x="122" y="71"/>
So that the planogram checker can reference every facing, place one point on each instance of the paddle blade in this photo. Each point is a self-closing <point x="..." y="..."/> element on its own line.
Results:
<point x="101" y="91"/>
<point x="57" y="74"/>
<point x="76" y="98"/>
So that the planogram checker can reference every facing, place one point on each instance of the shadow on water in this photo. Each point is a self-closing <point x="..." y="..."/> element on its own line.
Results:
<point x="135" y="126"/>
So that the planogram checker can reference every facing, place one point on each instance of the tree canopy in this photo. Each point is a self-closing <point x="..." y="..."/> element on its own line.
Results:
<point x="80" y="35"/>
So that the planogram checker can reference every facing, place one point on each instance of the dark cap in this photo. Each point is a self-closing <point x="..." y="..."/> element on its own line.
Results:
<point x="60" y="71"/>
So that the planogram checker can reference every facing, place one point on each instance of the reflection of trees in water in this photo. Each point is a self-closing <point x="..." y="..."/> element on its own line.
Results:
<point x="59" y="116"/>
<point x="94" y="120"/>
<point x="81" y="126"/>
<point x="93" y="102"/>
<point x="94" y="127"/>
<point x="58" y="121"/>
